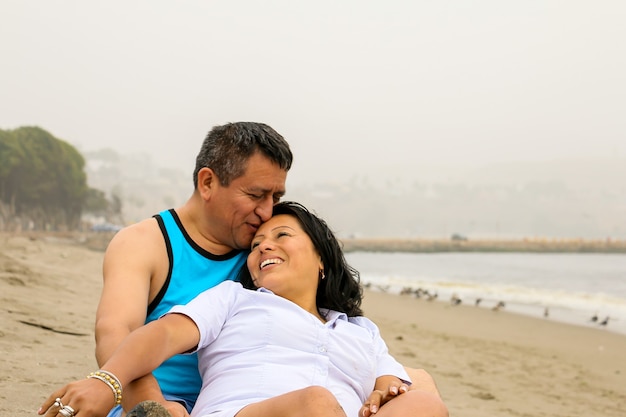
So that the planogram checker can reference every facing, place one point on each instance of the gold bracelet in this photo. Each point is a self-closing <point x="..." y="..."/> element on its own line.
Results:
<point x="112" y="381"/>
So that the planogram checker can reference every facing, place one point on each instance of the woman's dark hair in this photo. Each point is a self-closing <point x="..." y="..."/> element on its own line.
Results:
<point x="340" y="290"/>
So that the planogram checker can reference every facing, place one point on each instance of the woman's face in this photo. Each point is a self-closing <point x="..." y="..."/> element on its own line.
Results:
<point x="284" y="260"/>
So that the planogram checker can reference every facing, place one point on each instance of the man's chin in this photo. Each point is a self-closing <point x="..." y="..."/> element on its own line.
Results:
<point x="244" y="239"/>
<point x="243" y="243"/>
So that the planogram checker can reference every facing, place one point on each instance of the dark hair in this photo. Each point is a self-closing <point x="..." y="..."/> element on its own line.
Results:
<point x="341" y="289"/>
<point x="227" y="148"/>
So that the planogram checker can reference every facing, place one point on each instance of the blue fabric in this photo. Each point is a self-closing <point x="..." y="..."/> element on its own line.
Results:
<point x="115" y="411"/>
<point x="192" y="270"/>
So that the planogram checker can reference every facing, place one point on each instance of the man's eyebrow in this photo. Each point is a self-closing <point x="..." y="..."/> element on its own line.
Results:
<point x="266" y="190"/>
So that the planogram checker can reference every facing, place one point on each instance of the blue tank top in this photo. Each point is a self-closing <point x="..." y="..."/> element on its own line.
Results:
<point x="191" y="271"/>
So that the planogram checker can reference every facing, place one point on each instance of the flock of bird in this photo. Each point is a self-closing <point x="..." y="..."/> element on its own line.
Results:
<point x="456" y="300"/>
<point x="594" y="319"/>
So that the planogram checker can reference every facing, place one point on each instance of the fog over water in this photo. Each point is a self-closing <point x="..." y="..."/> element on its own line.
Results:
<point x="485" y="118"/>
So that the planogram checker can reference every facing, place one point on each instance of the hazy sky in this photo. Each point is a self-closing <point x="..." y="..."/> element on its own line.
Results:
<point x="357" y="87"/>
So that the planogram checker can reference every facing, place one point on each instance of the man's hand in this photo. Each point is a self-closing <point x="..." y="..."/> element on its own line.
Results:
<point x="176" y="409"/>
<point x="150" y="407"/>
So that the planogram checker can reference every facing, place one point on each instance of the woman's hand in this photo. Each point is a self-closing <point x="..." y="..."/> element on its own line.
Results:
<point x="380" y="397"/>
<point x="90" y="397"/>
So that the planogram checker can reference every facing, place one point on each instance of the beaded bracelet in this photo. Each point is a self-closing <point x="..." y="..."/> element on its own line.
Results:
<point x="111" y="380"/>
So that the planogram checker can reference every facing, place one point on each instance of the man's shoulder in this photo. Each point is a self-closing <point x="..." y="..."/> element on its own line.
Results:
<point x="149" y="225"/>
<point x="144" y="232"/>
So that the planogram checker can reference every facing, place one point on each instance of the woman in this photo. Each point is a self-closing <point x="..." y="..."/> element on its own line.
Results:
<point x="296" y="346"/>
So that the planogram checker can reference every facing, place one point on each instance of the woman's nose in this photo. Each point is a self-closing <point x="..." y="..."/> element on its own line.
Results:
<point x="265" y="245"/>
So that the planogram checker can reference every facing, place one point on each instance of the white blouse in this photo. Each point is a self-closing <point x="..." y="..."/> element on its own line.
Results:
<point x="255" y="345"/>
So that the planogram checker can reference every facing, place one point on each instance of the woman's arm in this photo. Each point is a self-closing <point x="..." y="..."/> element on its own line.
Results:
<point x="148" y="346"/>
<point x="140" y="353"/>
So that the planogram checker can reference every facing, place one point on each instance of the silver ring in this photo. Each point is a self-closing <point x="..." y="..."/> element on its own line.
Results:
<point x="66" y="411"/>
<point x="58" y="403"/>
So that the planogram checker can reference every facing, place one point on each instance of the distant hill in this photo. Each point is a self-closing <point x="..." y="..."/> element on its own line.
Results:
<point x="562" y="199"/>
<point x="143" y="187"/>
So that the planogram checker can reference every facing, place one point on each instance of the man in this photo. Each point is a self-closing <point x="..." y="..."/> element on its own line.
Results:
<point x="167" y="260"/>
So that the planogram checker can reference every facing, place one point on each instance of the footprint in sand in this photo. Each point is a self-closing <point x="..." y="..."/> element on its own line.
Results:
<point x="483" y="395"/>
<point x="15" y="281"/>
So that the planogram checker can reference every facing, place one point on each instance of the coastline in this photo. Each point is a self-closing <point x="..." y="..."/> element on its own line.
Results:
<point x="485" y="363"/>
<point x="535" y="245"/>
<point x="99" y="240"/>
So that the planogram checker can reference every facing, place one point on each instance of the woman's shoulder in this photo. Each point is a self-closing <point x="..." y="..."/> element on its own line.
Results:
<point x="359" y="325"/>
<point x="221" y="290"/>
<point x="361" y="321"/>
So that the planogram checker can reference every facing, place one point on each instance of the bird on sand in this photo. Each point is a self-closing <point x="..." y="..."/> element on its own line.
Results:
<point x="455" y="300"/>
<point x="498" y="306"/>
<point x="431" y="297"/>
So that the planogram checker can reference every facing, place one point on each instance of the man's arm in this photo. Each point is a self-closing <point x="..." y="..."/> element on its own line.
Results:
<point x="135" y="265"/>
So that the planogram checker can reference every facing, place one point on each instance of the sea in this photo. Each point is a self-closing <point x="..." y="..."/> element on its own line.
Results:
<point x="581" y="289"/>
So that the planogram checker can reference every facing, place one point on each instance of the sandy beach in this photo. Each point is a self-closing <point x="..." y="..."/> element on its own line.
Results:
<point x="486" y="363"/>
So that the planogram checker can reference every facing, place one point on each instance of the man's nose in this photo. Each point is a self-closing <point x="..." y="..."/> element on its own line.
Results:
<point x="264" y="209"/>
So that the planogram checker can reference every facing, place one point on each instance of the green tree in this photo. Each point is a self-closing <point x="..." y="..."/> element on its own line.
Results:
<point x="96" y="202"/>
<point x="42" y="178"/>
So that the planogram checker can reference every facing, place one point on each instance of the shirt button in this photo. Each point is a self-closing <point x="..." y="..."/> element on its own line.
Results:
<point x="322" y="349"/>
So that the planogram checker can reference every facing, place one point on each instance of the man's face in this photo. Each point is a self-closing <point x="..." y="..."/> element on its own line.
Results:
<point x="238" y="210"/>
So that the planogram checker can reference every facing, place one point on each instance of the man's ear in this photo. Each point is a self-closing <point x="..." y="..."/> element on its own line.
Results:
<point x="207" y="181"/>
